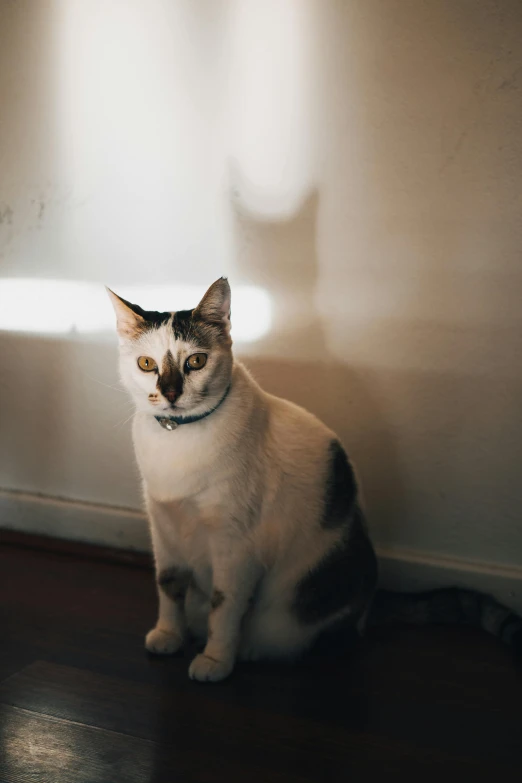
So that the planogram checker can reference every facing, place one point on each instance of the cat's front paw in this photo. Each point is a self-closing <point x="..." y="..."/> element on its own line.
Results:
<point x="163" y="642"/>
<point x="206" y="669"/>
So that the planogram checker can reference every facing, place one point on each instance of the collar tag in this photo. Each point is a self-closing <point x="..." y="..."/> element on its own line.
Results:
<point x="167" y="424"/>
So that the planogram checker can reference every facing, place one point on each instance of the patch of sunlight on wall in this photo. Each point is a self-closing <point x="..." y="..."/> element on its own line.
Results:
<point x="134" y="102"/>
<point x="271" y="78"/>
<point x="62" y="307"/>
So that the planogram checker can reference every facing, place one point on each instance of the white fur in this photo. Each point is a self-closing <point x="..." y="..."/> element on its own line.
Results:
<point x="237" y="498"/>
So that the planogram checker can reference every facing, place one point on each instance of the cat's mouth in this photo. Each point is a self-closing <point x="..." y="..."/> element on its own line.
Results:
<point x="173" y="407"/>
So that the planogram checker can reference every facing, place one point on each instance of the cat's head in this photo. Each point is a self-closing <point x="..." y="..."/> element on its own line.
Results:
<point x="176" y="363"/>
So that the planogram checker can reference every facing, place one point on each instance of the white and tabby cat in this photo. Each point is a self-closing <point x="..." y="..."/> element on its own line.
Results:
<point x="258" y="533"/>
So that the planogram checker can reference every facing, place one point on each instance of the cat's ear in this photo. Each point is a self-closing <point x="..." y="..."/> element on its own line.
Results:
<point x="128" y="322"/>
<point x="215" y="305"/>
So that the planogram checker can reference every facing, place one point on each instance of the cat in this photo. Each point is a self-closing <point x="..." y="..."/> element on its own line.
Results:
<point x="256" y="518"/>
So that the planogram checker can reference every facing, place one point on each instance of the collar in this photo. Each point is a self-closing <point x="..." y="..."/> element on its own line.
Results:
<point x="172" y="422"/>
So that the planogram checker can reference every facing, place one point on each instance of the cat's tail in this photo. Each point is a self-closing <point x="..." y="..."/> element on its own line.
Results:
<point x="448" y="606"/>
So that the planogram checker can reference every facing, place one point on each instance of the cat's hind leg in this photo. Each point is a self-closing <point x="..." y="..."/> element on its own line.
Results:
<point x="274" y="633"/>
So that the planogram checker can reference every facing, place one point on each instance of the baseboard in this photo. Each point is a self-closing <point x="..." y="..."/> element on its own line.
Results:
<point x="410" y="571"/>
<point x="121" y="528"/>
<point x="78" y="550"/>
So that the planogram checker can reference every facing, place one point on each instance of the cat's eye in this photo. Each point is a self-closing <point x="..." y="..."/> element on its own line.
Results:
<point x="196" y="361"/>
<point x="147" y="364"/>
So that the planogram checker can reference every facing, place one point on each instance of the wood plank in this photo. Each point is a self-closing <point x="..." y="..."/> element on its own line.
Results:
<point x="76" y="590"/>
<point x="199" y="724"/>
<point x="195" y="730"/>
<point x="41" y="748"/>
<point x="72" y="650"/>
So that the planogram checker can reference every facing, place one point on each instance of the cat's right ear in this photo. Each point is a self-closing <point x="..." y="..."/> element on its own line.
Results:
<point x="129" y="323"/>
<point x="215" y="305"/>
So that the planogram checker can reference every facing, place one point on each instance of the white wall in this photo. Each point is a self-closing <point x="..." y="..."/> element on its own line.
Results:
<point x="361" y="162"/>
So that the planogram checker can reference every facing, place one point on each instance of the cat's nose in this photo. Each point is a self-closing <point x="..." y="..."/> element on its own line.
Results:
<point x="170" y="394"/>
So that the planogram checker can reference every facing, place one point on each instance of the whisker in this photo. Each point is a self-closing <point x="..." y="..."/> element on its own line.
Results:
<point x="122" y="423"/>
<point x="107" y="385"/>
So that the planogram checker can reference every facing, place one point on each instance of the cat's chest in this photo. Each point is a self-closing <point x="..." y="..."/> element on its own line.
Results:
<point x="177" y="465"/>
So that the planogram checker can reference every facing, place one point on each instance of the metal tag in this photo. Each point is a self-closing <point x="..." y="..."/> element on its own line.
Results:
<point x="168" y="424"/>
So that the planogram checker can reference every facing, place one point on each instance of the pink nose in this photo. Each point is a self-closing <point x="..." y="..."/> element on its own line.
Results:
<point x="171" y="395"/>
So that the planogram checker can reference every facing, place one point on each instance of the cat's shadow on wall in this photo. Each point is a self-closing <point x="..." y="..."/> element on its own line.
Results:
<point x="293" y="360"/>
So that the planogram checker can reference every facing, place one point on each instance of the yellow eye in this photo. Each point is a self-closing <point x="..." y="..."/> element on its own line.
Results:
<point x="147" y="364"/>
<point x="196" y="361"/>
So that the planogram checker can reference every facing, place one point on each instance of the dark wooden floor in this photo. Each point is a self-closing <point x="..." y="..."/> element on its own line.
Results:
<point x="81" y="701"/>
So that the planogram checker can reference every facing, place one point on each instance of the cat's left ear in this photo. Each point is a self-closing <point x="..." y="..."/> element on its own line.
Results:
<point x="129" y="323"/>
<point x="215" y="305"/>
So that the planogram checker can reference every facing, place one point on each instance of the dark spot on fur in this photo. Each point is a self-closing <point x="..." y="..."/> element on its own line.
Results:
<point x="188" y="326"/>
<point x="153" y="319"/>
<point x="170" y="379"/>
<point x="174" y="582"/>
<point x="194" y="586"/>
<point x="217" y="598"/>
<point x="344" y="579"/>
<point x="340" y="490"/>
<point x="182" y="324"/>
